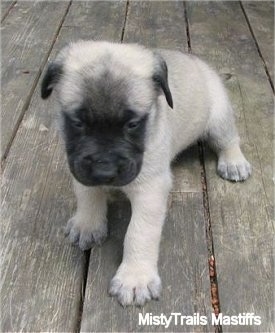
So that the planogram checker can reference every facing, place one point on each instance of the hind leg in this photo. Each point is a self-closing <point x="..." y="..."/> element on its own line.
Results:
<point x="224" y="139"/>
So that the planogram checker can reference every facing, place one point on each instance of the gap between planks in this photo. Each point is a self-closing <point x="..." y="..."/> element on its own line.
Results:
<point x="85" y="277"/>
<point x="125" y="20"/>
<point x="215" y="301"/>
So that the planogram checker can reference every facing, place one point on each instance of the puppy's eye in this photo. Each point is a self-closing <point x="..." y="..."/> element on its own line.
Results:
<point x="78" y="124"/>
<point x="132" y="125"/>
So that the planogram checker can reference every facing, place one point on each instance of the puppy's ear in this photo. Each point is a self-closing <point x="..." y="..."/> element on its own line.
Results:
<point x="50" y="79"/>
<point x="160" y="77"/>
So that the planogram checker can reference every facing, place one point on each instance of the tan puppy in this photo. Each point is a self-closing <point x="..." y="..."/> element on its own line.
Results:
<point x="123" y="121"/>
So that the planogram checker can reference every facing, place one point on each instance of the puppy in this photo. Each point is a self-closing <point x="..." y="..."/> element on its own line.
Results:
<point x="123" y="122"/>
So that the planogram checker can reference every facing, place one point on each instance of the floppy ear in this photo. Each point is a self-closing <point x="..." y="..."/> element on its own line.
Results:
<point x="50" y="79"/>
<point x="160" y="77"/>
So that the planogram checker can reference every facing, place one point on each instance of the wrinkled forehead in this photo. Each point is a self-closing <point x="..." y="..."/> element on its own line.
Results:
<point x="107" y="92"/>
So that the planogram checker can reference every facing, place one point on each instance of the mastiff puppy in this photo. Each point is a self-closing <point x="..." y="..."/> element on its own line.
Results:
<point x="125" y="112"/>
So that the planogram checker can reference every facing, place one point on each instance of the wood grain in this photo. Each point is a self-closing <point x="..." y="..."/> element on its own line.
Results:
<point x="5" y="8"/>
<point x="183" y="251"/>
<point x="261" y="17"/>
<point x="241" y="214"/>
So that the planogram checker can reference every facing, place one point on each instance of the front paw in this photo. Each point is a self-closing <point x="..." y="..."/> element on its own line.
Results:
<point x="135" y="285"/>
<point x="234" y="170"/>
<point x="84" y="234"/>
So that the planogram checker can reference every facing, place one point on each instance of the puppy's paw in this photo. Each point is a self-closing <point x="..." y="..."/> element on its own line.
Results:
<point x="84" y="234"/>
<point x="234" y="170"/>
<point x="135" y="286"/>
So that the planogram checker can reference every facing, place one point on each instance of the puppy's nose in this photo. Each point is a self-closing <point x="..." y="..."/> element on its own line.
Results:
<point x="104" y="175"/>
<point x="103" y="169"/>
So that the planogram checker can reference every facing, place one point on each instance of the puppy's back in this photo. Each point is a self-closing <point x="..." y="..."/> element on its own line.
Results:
<point x="196" y="89"/>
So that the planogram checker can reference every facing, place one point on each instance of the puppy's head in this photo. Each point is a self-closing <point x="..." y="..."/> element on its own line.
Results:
<point x="106" y="93"/>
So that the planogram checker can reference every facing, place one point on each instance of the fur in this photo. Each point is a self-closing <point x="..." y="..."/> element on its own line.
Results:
<point x="126" y="112"/>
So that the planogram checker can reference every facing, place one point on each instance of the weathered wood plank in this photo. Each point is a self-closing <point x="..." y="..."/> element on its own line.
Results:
<point x="156" y="25"/>
<point x="241" y="214"/>
<point x="5" y="5"/>
<point x="261" y="17"/>
<point x="185" y="278"/>
<point x="42" y="275"/>
<point x="25" y="47"/>
<point x="186" y="171"/>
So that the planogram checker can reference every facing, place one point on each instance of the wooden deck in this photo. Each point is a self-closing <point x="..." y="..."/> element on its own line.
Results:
<point x="47" y="284"/>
